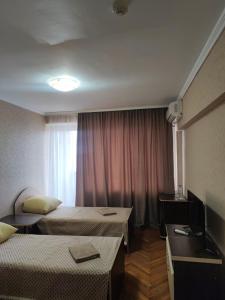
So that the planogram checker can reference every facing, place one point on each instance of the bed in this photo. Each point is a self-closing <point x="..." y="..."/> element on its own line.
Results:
<point x="84" y="221"/>
<point x="40" y="267"/>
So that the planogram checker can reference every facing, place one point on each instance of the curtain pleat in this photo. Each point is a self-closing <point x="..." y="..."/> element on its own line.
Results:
<point x="124" y="158"/>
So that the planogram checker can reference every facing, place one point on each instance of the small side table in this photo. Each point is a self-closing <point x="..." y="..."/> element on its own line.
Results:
<point x="22" y="221"/>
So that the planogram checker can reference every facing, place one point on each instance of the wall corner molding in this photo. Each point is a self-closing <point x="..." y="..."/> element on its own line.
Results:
<point x="213" y="37"/>
<point x="213" y="105"/>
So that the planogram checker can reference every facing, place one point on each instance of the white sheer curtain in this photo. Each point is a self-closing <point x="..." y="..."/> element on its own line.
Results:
<point x="61" y="143"/>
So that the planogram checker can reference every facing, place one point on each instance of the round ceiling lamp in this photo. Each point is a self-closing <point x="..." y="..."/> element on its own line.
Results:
<point x="120" y="7"/>
<point x="64" y="83"/>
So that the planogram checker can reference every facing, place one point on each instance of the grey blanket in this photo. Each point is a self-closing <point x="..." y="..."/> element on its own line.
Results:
<point x="86" y="221"/>
<point x="41" y="267"/>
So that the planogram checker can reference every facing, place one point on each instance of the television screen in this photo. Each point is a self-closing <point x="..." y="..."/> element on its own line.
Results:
<point x="196" y="214"/>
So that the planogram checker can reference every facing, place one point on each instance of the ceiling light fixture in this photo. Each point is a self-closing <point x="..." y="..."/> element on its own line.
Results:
<point x="120" y="7"/>
<point x="64" y="83"/>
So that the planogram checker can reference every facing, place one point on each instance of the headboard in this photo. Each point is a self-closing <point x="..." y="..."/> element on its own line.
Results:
<point x="24" y="194"/>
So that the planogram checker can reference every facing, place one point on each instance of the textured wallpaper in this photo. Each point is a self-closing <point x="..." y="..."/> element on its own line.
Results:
<point x="205" y="140"/>
<point x="21" y="153"/>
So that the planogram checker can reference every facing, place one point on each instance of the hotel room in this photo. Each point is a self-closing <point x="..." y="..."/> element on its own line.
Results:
<point x="112" y="150"/>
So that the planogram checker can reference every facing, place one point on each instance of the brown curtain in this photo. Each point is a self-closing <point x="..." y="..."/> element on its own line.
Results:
<point x="124" y="158"/>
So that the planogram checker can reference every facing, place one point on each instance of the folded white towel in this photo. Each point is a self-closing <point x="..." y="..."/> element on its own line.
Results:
<point x="84" y="252"/>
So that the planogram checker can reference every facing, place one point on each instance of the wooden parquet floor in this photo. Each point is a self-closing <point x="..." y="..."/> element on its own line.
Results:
<point x="145" y="268"/>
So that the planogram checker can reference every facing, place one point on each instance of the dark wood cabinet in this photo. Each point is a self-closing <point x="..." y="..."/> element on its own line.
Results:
<point x="171" y="211"/>
<point x="194" y="272"/>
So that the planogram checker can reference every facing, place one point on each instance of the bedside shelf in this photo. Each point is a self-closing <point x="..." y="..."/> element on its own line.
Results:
<point x="22" y="221"/>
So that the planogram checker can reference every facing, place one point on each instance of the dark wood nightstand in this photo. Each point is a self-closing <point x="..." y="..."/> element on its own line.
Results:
<point x="172" y="211"/>
<point x="24" y="222"/>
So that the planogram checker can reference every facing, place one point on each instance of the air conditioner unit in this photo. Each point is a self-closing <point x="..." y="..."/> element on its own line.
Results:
<point x="174" y="112"/>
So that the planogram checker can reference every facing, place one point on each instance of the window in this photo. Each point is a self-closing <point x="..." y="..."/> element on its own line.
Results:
<point x="61" y="139"/>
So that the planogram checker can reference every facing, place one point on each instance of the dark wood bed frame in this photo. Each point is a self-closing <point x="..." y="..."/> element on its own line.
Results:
<point x="117" y="274"/>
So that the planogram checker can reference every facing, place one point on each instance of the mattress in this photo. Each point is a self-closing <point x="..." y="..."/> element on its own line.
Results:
<point x="86" y="221"/>
<point x="41" y="267"/>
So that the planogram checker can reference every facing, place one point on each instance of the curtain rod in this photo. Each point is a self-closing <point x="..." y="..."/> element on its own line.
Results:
<point x="104" y="110"/>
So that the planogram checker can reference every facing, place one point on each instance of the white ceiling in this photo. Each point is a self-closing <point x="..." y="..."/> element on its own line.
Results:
<point x="141" y="59"/>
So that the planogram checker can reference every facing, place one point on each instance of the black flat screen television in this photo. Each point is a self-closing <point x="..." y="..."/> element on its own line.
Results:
<point x="196" y="214"/>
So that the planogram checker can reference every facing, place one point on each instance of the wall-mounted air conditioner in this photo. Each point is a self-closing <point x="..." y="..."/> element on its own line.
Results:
<point x="174" y="112"/>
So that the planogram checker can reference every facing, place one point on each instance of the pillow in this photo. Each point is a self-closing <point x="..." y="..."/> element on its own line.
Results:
<point x="40" y="204"/>
<point x="6" y="231"/>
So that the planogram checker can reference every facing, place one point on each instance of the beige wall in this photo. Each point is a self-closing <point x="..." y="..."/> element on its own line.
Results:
<point x="21" y="153"/>
<point x="205" y="140"/>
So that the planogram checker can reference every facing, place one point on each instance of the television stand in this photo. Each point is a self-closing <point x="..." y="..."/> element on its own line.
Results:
<point x="193" y="269"/>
